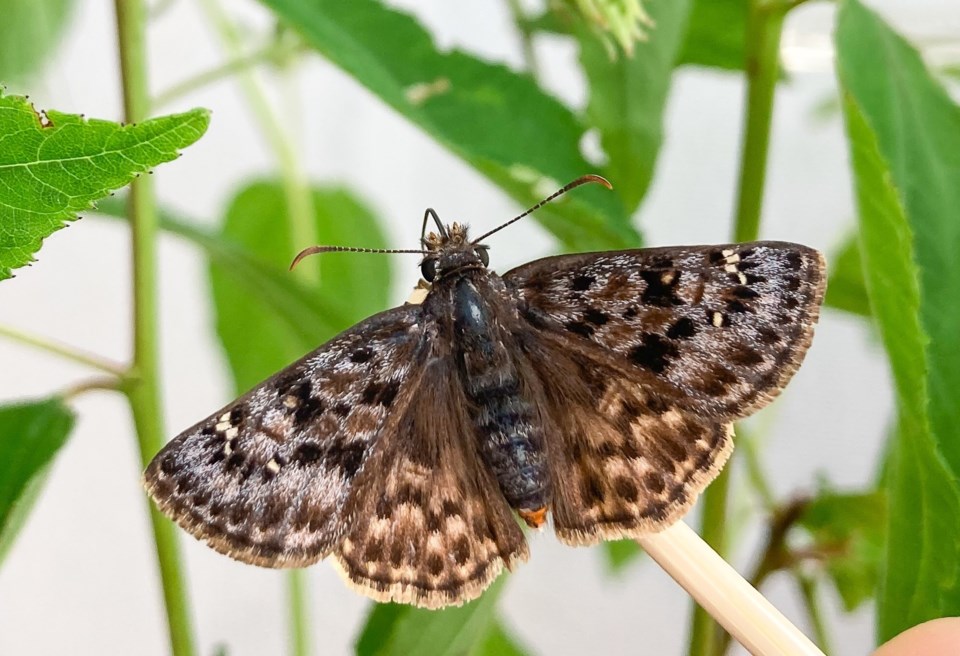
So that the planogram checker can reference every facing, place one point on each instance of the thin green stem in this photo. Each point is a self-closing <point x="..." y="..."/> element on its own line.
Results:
<point x="64" y="351"/>
<point x="526" y="36"/>
<point x="704" y="632"/>
<point x="144" y="392"/>
<point x="747" y="444"/>
<point x="301" y="215"/>
<point x="810" y="593"/>
<point x="764" y="27"/>
<point x="226" y="69"/>
<point x="298" y="600"/>
<point x="91" y="385"/>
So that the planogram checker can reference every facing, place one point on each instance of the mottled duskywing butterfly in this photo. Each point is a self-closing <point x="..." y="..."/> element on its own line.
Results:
<point x="598" y="387"/>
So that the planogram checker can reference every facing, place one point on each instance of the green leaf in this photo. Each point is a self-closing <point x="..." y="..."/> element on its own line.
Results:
<point x="850" y="529"/>
<point x="904" y="134"/>
<point x="293" y="303"/>
<point x="846" y="288"/>
<point x="716" y="34"/>
<point x="497" y="120"/>
<point x="258" y="339"/>
<point x="498" y="642"/>
<point x="29" y="33"/>
<point x="620" y="553"/>
<point x="31" y="434"/>
<point x="399" y="630"/>
<point x="55" y="165"/>
<point x="628" y="96"/>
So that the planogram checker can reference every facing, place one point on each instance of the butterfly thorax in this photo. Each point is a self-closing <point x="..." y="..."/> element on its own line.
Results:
<point x="508" y="430"/>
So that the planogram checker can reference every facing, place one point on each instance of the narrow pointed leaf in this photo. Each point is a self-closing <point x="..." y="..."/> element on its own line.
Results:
<point x="31" y="434"/>
<point x="398" y="630"/>
<point x="499" y="121"/>
<point x="347" y="287"/>
<point x="628" y="95"/>
<point x="904" y="134"/>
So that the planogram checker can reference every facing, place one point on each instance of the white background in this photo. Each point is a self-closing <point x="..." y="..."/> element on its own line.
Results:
<point x="81" y="579"/>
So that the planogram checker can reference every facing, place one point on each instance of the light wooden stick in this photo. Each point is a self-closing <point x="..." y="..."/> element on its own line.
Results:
<point x="728" y="597"/>
<point x="714" y="584"/>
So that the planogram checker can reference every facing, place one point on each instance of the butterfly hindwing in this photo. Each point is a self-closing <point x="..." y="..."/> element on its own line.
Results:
<point x="428" y="524"/>
<point x="718" y="329"/>
<point x="622" y="462"/>
<point x="264" y="479"/>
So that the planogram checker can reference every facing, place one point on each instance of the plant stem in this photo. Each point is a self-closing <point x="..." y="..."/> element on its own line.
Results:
<point x="144" y="392"/>
<point x="764" y="27"/>
<point x="526" y="36"/>
<point x="64" y="351"/>
<point x="92" y="384"/>
<point x="811" y="601"/>
<point x="301" y="215"/>
<point x="704" y="631"/>
<point x="226" y="69"/>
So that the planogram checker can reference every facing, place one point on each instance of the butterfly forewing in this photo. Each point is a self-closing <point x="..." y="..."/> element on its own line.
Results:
<point x="716" y="329"/>
<point x="265" y="479"/>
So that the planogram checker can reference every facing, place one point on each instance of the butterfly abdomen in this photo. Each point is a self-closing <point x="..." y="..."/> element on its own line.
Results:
<point x="510" y="435"/>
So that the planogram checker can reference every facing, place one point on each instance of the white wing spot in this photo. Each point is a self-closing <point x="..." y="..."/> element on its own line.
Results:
<point x="290" y="401"/>
<point x="273" y="466"/>
<point x="716" y="319"/>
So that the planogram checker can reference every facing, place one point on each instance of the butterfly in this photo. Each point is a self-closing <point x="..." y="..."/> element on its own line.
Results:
<point x="597" y="388"/>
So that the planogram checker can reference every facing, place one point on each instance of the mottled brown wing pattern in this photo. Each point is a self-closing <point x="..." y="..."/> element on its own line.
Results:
<point x="644" y="358"/>
<point x="428" y="525"/>
<point x="264" y="480"/>
<point x="622" y="462"/>
<point x="719" y="329"/>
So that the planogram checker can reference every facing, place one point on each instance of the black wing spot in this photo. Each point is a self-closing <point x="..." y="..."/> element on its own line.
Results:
<point x="753" y="279"/>
<point x="595" y="316"/>
<point x="307" y="453"/>
<point x="579" y="328"/>
<point x="348" y="457"/>
<point x="627" y="489"/>
<point x="683" y="328"/>
<point x="791" y="303"/>
<point x="380" y="393"/>
<point x="341" y="409"/>
<point x="654" y="353"/>
<point x="361" y="355"/>
<point x="746" y="356"/>
<point x="308" y="410"/>
<point x="630" y="312"/>
<point x="792" y="283"/>
<point x="653" y="481"/>
<point x="768" y="336"/>
<point x="737" y="306"/>
<point x="744" y="292"/>
<point x="658" y="292"/>
<point x="794" y="261"/>
<point x="582" y="283"/>
<point x="236" y="416"/>
<point x="716" y="257"/>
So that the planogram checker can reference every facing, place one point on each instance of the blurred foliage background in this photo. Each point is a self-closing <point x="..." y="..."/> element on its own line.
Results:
<point x="894" y="544"/>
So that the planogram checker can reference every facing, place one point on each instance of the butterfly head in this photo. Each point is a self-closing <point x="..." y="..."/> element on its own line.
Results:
<point x="450" y="251"/>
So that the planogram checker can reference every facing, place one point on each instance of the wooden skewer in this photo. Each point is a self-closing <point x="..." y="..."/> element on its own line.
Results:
<point x="745" y="613"/>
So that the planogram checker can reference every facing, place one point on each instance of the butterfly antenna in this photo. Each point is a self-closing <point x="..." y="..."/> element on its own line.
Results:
<point x="436" y="219"/>
<point x="567" y="187"/>
<point x="313" y="250"/>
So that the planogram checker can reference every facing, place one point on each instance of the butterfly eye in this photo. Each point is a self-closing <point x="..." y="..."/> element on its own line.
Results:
<point x="484" y="255"/>
<point x="429" y="269"/>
